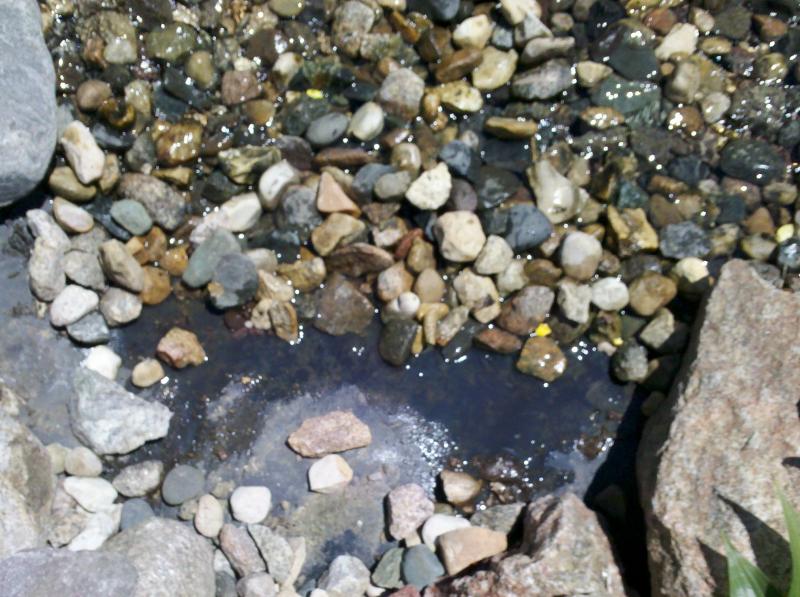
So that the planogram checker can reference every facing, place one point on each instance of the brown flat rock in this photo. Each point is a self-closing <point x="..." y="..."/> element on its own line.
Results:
<point x="336" y="431"/>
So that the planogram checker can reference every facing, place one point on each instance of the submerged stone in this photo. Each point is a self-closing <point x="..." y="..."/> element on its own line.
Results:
<point x="753" y="160"/>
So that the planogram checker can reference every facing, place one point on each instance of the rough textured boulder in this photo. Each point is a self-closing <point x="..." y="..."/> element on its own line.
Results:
<point x="170" y="558"/>
<point x="111" y="420"/>
<point x="729" y="431"/>
<point x="27" y="100"/>
<point x="48" y="572"/>
<point x="564" y="552"/>
<point x="27" y="486"/>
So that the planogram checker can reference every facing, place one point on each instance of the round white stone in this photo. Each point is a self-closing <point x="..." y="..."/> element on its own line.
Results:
<point x="580" y="255"/>
<point x="473" y="32"/>
<point x="251" y="503"/>
<point x="610" y="294"/>
<point x="460" y="236"/>
<point x="241" y="213"/>
<point x="495" y="256"/>
<point x="367" y="122"/>
<point x="274" y="181"/>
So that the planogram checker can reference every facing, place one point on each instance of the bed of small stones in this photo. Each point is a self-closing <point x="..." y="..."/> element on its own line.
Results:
<point x="514" y="175"/>
<point x="253" y="557"/>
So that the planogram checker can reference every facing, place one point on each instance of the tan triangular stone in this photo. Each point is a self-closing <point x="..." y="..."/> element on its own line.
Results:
<point x="331" y="198"/>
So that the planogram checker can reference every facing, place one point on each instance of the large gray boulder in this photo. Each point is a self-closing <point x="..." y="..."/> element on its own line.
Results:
<point x="170" y="558"/>
<point x="564" y="552"/>
<point x="27" y="100"/>
<point x="111" y="420"/>
<point x="48" y="572"/>
<point x="27" y="486"/>
<point x="728" y="433"/>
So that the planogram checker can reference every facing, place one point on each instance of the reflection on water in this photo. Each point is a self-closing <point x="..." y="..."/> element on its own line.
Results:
<point x="498" y="422"/>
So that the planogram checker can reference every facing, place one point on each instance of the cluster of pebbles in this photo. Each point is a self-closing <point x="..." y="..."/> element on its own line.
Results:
<point x="514" y="176"/>
<point x="254" y="556"/>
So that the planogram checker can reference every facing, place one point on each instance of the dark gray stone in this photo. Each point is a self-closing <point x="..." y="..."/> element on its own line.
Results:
<point x="629" y="97"/>
<point x="527" y="227"/>
<point x="753" y="160"/>
<point x="461" y="160"/>
<point x="134" y="512"/>
<point x="685" y="239"/>
<point x="48" y="572"/>
<point x="421" y="566"/>
<point x="397" y="336"/>
<point x="90" y="330"/>
<point x="203" y="262"/>
<point x="181" y="484"/>
<point x="364" y="181"/>
<point x="235" y="281"/>
<point x="298" y="211"/>
<point x="495" y="185"/>
<point x="27" y="100"/>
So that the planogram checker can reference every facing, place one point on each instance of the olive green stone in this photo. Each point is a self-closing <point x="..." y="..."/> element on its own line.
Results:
<point x="180" y="144"/>
<point x="64" y="183"/>
<point x="287" y="8"/>
<point x="200" y="67"/>
<point x="243" y="164"/>
<point x="171" y="43"/>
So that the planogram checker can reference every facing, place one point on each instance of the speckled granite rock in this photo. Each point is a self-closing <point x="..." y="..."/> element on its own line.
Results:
<point x="711" y="454"/>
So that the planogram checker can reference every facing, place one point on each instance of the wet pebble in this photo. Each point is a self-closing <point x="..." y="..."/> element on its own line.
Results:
<point x="89" y="330"/>
<point x="234" y="281"/>
<point x="327" y="129"/>
<point x="132" y="216"/>
<point x="146" y="373"/>
<point x="542" y="358"/>
<point x="753" y="160"/>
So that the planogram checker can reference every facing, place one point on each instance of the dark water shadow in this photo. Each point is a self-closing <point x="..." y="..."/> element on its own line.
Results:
<point x="486" y="406"/>
<point x="614" y="493"/>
